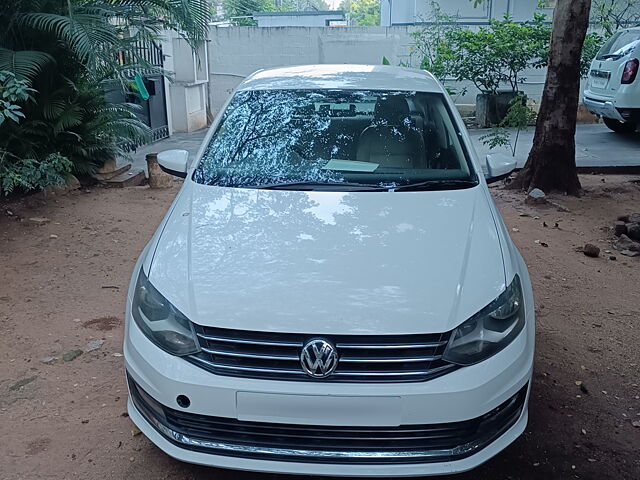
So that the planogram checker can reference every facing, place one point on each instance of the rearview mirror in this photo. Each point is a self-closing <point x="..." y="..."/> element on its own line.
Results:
<point x="498" y="167"/>
<point x="174" y="162"/>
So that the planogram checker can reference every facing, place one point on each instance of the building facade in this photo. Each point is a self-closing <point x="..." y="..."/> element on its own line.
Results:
<point x="330" y="18"/>
<point x="415" y="12"/>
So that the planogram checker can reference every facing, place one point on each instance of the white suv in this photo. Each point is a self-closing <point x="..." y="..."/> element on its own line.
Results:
<point x="333" y="291"/>
<point x="613" y="87"/>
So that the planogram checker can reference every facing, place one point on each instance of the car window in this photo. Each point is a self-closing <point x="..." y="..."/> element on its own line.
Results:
<point x="372" y="138"/>
<point x="621" y="44"/>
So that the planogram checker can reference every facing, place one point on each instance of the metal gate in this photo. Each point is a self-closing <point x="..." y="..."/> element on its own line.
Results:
<point x="153" y="111"/>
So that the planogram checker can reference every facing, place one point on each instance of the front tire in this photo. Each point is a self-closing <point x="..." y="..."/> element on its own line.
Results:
<point x="619" y="127"/>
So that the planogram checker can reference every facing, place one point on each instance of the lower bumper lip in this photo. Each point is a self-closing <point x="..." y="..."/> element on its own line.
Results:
<point x="489" y="427"/>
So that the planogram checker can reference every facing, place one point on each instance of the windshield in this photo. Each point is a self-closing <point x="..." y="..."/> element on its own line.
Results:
<point x="621" y="44"/>
<point x="335" y="140"/>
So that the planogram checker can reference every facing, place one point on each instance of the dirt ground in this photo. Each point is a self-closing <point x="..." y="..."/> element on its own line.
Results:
<point x="63" y="280"/>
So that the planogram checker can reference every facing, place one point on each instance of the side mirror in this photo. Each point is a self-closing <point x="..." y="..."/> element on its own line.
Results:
<point x="498" y="167"/>
<point x="174" y="162"/>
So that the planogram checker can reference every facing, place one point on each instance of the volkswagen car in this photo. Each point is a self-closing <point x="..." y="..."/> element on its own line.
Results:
<point x="333" y="291"/>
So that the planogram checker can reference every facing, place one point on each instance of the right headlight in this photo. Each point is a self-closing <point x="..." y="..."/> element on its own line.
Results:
<point x="160" y="321"/>
<point x="490" y="330"/>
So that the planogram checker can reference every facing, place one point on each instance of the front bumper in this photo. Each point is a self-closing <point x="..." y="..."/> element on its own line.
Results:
<point x="461" y="396"/>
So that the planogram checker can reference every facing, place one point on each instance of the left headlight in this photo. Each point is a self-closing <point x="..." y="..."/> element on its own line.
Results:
<point x="490" y="330"/>
<point x="160" y="321"/>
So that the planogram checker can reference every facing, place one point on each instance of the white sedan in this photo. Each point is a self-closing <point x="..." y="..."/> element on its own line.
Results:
<point x="333" y="291"/>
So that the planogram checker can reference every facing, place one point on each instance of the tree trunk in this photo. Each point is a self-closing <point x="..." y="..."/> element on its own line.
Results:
<point x="552" y="161"/>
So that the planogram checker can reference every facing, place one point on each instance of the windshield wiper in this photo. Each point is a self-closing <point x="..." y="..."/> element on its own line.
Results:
<point x="310" y="185"/>
<point x="449" y="184"/>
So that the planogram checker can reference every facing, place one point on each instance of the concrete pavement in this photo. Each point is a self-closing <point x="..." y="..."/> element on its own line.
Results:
<point x="179" y="141"/>
<point x="596" y="147"/>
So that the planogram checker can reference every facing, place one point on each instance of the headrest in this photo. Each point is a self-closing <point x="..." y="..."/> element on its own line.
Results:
<point x="391" y="110"/>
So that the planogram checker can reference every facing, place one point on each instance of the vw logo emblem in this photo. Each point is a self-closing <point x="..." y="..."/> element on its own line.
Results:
<point x="318" y="358"/>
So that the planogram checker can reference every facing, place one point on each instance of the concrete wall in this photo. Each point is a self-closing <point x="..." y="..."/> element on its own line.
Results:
<point x="237" y="52"/>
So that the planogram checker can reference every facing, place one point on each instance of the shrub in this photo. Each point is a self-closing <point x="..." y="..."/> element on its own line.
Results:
<point x="12" y="91"/>
<point x="497" y="55"/>
<point x="31" y="174"/>
<point x="60" y="54"/>
<point x="519" y="116"/>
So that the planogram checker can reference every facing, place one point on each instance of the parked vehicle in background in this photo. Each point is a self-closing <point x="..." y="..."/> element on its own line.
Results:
<point x="333" y="291"/>
<point x="613" y="86"/>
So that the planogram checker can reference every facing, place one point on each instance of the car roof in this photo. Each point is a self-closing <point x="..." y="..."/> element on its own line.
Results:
<point x="342" y="77"/>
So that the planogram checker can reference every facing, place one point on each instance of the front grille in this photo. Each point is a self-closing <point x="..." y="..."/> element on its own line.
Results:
<point x="312" y="443"/>
<point x="361" y="358"/>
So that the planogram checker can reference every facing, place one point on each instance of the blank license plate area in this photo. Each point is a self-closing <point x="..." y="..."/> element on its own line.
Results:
<point x="599" y="78"/>
<point x="319" y="409"/>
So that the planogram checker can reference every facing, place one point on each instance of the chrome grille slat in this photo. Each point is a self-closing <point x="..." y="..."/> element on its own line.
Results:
<point x="251" y="369"/>
<point x="251" y="355"/>
<point x="250" y="342"/>
<point x="393" y="346"/>
<point x="389" y="360"/>
<point x="362" y="358"/>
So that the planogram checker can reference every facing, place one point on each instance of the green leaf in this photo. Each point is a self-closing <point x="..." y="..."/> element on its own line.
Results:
<point x="24" y="64"/>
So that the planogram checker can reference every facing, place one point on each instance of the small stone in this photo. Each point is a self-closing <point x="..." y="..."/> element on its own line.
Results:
<point x="48" y="360"/>
<point x="515" y="229"/>
<point x="135" y="431"/>
<point x="591" y="250"/>
<point x="536" y="197"/>
<point x="94" y="345"/>
<point x="559" y="207"/>
<point x="21" y="383"/>
<point x="71" y="355"/>
<point x="53" y="235"/>
<point x="117" y="354"/>
<point x="39" y="220"/>
<point x="636" y="423"/>
<point x="619" y="228"/>
<point x="536" y="217"/>
<point x="625" y="243"/>
<point x="633" y="231"/>
<point x="131" y="459"/>
<point x="630" y="253"/>
<point x="612" y="257"/>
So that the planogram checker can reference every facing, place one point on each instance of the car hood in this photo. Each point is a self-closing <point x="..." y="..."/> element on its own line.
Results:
<point x="329" y="262"/>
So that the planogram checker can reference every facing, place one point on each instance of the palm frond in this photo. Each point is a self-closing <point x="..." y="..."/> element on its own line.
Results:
<point x="190" y="17"/>
<point x="85" y="32"/>
<point x="24" y="64"/>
